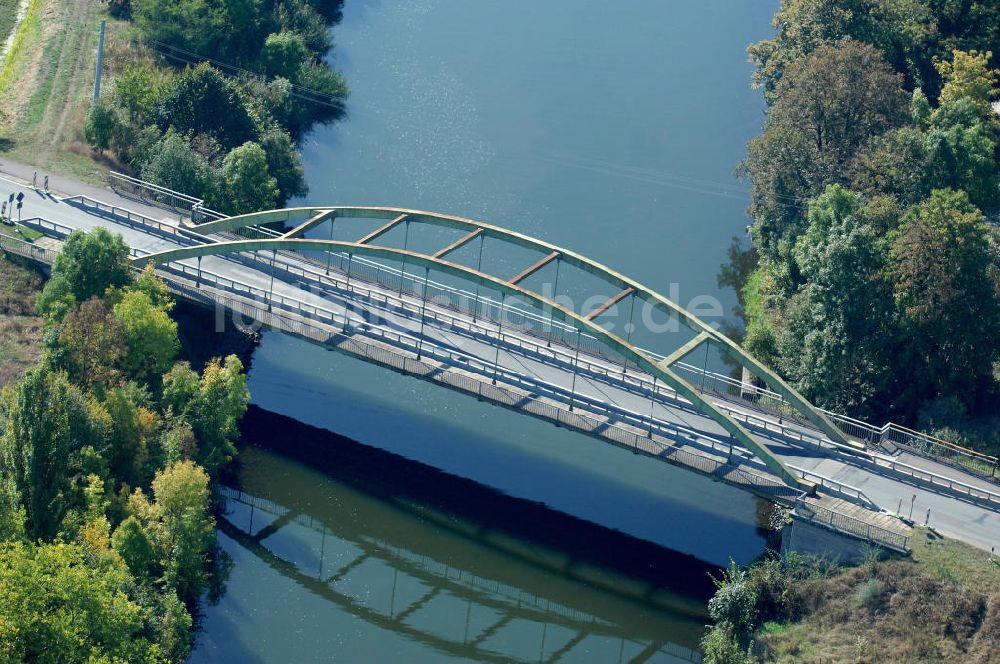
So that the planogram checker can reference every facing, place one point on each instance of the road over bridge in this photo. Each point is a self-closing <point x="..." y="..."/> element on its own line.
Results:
<point x="411" y="291"/>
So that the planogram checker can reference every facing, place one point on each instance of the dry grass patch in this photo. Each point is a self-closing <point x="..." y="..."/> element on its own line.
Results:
<point x="20" y="325"/>
<point x="941" y="605"/>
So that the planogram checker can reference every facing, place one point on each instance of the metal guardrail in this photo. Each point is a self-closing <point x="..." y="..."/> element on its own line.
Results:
<point x="26" y="249"/>
<point x="919" y="443"/>
<point x="147" y="192"/>
<point x="832" y="486"/>
<point x="852" y="526"/>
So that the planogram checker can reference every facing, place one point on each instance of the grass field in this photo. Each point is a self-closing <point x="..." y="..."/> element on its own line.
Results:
<point x="8" y="14"/>
<point x="48" y="77"/>
<point x="21" y="232"/>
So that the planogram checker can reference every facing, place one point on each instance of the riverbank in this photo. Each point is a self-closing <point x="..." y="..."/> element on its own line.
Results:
<point x="941" y="604"/>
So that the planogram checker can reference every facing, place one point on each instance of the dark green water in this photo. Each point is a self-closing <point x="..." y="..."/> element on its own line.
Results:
<point x="609" y="128"/>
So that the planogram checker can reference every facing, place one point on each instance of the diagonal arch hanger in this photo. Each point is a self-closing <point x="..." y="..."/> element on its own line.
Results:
<point x="307" y="218"/>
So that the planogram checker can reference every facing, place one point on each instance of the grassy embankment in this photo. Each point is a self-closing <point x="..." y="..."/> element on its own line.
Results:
<point x="940" y="605"/>
<point x="20" y="324"/>
<point x="46" y="81"/>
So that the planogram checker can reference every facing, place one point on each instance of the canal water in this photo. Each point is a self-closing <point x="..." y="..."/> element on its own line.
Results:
<point x="376" y="518"/>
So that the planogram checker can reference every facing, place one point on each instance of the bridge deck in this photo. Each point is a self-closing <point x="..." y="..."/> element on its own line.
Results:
<point x="539" y="381"/>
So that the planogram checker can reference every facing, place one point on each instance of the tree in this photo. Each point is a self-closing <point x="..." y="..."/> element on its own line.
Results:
<point x="900" y="29"/>
<point x="89" y="264"/>
<point x="91" y="345"/>
<point x="138" y="90"/>
<point x="960" y="153"/>
<point x="203" y="101"/>
<point x="840" y="324"/>
<point x="59" y="607"/>
<point x="968" y="75"/>
<point x="828" y="105"/>
<point x="305" y="20"/>
<point x="132" y="543"/>
<point x="47" y="421"/>
<point x="179" y="526"/>
<point x="249" y="185"/>
<point x="101" y="125"/>
<point x="944" y="274"/>
<point x="173" y="164"/>
<point x="285" y="164"/>
<point x="839" y="97"/>
<point x="150" y="335"/>
<point x="223" y="29"/>
<point x="212" y="406"/>
<point x="133" y="428"/>
<point x="283" y="54"/>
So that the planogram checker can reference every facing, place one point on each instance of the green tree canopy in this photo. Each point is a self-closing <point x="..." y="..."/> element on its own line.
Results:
<point x="179" y="526"/>
<point x="150" y="335"/>
<point x="223" y="29"/>
<point x="47" y="422"/>
<point x="841" y="321"/>
<point x="830" y="103"/>
<point x="88" y="265"/>
<point x="945" y="277"/>
<point x="284" y="164"/>
<point x="202" y="101"/>
<point x="59" y="606"/>
<point x="283" y="55"/>
<point x="249" y="185"/>
<point x="212" y="405"/>
<point x="174" y="164"/>
<point x="103" y="122"/>
<point x="91" y="345"/>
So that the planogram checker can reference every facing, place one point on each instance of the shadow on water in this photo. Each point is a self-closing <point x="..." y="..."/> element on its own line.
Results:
<point x="487" y="565"/>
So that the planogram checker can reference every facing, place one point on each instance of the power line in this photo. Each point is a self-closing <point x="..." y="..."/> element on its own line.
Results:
<point x="192" y="58"/>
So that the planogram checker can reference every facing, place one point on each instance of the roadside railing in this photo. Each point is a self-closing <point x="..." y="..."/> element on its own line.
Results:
<point x="152" y="194"/>
<point x="850" y="525"/>
<point x="832" y="486"/>
<point x="49" y="228"/>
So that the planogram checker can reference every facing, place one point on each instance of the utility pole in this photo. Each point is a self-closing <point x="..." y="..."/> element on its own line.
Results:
<point x="100" y="61"/>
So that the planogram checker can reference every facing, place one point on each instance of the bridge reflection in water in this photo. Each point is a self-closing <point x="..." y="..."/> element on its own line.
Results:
<point x="449" y="584"/>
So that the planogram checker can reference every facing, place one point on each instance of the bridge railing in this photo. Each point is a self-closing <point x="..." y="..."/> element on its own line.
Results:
<point x="618" y="433"/>
<point x="49" y="228"/>
<point x="307" y="312"/>
<point x="614" y="374"/>
<point x="919" y="443"/>
<point x="850" y="525"/>
<point x="617" y="373"/>
<point x="832" y="486"/>
<point x="452" y="357"/>
<point x="179" y="234"/>
<point x="152" y="194"/>
<point x="707" y="381"/>
<point x="26" y="249"/>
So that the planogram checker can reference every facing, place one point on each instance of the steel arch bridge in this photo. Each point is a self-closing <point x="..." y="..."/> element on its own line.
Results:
<point x="441" y="260"/>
